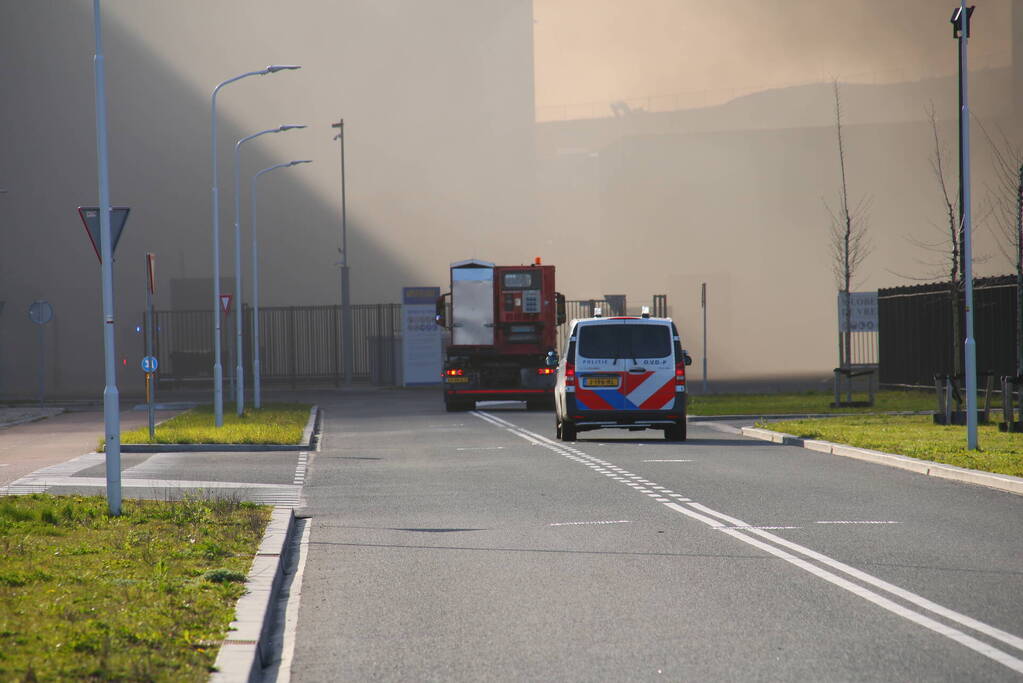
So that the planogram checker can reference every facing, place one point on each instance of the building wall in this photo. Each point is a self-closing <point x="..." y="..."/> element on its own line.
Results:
<point x="437" y="100"/>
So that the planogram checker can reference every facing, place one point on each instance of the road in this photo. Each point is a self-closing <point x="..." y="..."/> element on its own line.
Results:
<point x="473" y="546"/>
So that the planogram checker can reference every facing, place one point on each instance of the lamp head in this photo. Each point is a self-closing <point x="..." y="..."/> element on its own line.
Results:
<point x="290" y="126"/>
<point x="274" y="68"/>
<point x="300" y="161"/>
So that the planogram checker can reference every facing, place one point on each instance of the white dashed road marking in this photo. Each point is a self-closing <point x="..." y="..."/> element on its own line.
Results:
<point x="744" y="532"/>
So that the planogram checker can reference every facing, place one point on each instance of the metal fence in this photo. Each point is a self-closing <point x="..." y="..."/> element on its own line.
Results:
<point x="297" y="344"/>
<point x="915" y="331"/>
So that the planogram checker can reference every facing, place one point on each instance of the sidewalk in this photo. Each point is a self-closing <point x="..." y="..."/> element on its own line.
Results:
<point x="32" y="438"/>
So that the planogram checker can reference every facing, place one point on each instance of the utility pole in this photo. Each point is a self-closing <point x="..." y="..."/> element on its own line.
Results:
<point x="703" y="305"/>
<point x="961" y="31"/>
<point x="111" y="398"/>
<point x="346" y="292"/>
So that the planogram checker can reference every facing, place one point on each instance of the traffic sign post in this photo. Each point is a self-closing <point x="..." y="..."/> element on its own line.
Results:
<point x="149" y="362"/>
<point x="41" y="312"/>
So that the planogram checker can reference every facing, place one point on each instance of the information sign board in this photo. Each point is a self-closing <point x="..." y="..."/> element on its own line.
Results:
<point x="864" y="311"/>
<point x="421" y="336"/>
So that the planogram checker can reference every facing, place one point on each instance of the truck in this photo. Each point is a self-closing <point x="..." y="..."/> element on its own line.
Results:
<point x="503" y="323"/>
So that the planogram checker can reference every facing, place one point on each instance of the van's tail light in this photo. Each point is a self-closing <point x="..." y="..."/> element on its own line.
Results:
<point x="680" y="374"/>
<point x="546" y="371"/>
<point x="569" y="374"/>
<point x="454" y="372"/>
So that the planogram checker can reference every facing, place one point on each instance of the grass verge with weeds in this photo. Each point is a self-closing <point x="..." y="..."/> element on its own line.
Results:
<point x="145" y="596"/>
<point x="806" y="403"/>
<point x="274" y="423"/>
<point x="916" y="436"/>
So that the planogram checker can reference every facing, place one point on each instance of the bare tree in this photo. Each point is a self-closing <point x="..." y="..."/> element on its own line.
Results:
<point x="1006" y="210"/>
<point x="849" y="243"/>
<point x="952" y="245"/>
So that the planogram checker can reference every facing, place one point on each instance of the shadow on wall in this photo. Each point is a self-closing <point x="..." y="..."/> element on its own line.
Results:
<point x="159" y="165"/>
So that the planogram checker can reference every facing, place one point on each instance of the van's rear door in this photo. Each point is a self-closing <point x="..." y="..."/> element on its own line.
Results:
<point x="625" y="365"/>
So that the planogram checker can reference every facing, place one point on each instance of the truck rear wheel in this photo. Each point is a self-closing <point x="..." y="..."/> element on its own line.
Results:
<point x="454" y="406"/>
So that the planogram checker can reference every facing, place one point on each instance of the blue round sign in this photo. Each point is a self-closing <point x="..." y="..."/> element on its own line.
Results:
<point x="149" y="364"/>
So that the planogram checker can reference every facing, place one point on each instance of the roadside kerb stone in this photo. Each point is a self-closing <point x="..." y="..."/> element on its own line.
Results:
<point x="1002" y="482"/>
<point x="307" y="443"/>
<point x="245" y="651"/>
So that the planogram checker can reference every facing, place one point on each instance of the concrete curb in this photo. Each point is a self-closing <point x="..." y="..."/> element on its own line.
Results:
<point x="1002" y="482"/>
<point x="308" y="443"/>
<point x="797" y="416"/>
<point x="245" y="651"/>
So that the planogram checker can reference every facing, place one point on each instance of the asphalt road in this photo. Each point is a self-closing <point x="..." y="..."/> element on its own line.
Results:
<point x="473" y="546"/>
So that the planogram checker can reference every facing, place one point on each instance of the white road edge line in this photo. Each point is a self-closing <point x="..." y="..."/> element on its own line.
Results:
<point x="290" y="628"/>
<point x="954" y="634"/>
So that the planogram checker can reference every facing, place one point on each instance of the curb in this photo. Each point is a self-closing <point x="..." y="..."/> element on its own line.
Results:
<point x="245" y="650"/>
<point x="308" y="443"/>
<point x="797" y="416"/>
<point x="1002" y="482"/>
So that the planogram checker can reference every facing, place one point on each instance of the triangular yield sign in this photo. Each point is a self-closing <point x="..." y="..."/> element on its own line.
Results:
<point x="225" y="303"/>
<point x="90" y="219"/>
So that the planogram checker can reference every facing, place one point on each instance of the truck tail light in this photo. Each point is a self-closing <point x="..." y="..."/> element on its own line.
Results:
<point x="570" y="374"/>
<point x="680" y="374"/>
<point x="545" y="371"/>
<point x="454" y="372"/>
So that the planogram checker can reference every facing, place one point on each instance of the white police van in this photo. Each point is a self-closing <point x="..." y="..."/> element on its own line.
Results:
<point x="623" y="372"/>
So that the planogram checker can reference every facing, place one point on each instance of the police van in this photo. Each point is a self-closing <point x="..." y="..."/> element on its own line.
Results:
<point x="623" y="372"/>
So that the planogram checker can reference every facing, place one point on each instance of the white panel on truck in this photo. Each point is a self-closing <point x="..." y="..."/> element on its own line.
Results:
<point x="472" y="306"/>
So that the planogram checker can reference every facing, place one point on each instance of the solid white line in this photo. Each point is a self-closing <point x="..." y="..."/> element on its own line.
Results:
<point x="879" y="600"/>
<point x="290" y="629"/>
<point x="919" y="601"/>
<point x="883" y="602"/>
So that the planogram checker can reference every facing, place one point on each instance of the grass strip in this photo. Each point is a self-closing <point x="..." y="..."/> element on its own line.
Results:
<point x="274" y="423"/>
<point x="145" y="596"/>
<point x="808" y="403"/>
<point x="916" y="436"/>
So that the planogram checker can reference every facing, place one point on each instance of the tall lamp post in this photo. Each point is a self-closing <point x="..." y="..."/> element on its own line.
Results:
<point x="257" y="400"/>
<point x="346" y="297"/>
<point x="111" y="398"/>
<point x="239" y="394"/>
<point x="218" y="370"/>
<point x="961" y="31"/>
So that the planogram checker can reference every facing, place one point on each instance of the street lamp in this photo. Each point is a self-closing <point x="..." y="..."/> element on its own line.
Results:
<point x="257" y="401"/>
<point x="218" y="371"/>
<point x="346" y="294"/>
<point x="239" y="394"/>
<point x="961" y="32"/>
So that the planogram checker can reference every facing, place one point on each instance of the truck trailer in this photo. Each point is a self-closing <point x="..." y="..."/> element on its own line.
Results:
<point x="503" y="322"/>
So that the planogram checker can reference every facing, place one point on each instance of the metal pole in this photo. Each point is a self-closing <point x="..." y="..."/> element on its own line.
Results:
<point x="256" y="388"/>
<point x="970" y="346"/>
<point x="703" y="305"/>
<point x="346" y="303"/>
<point x="42" y="365"/>
<point x="150" y="384"/>
<point x="239" y="383"/>
<point x="111" y="400"/>
<point x="257" y="401"/>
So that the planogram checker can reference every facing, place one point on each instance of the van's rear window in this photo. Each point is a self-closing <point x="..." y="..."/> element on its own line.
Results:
<point x="624" y="341"/>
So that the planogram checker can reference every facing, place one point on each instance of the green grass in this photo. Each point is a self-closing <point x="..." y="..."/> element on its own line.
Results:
<point x="274" y="423"/>
<point x="141" y="597"/>
<point x="917" y="437"/>
<point x="810" y="402"/>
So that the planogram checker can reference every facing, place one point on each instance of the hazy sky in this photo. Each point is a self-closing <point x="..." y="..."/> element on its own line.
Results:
<point x="598" y="51"/>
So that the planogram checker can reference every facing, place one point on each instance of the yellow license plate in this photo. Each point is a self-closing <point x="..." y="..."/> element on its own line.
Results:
<point x="457" y="380"/>
<point x="601" y="381"/>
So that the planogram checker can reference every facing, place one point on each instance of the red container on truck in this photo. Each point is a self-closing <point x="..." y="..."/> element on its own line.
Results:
<point x="503" y="322"/>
